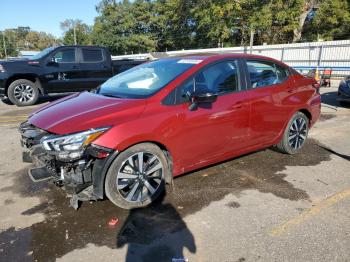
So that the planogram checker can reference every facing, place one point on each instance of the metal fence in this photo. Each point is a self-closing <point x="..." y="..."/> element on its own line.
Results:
<point x="303" y="57"/>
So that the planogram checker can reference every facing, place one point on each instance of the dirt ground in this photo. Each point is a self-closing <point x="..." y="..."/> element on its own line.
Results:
<point x="264" y="206"/>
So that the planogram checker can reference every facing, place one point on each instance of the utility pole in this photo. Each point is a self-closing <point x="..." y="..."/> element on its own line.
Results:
<point x="3" y="40"/>
<point x="75" y="35"/>
<point x="252" y="32"/>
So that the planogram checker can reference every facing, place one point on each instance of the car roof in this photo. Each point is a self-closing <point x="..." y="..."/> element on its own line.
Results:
<point x="218" y="56"/>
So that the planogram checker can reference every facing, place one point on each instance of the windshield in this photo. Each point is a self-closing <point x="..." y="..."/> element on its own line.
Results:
<point x="42" y="53"/>
<point x="146" y="79"/>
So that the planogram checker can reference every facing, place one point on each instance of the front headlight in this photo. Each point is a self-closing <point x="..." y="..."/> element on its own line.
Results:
<point x="71" y="146"/>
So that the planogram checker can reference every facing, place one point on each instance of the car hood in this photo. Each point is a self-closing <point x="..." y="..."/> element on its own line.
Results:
<point x="83" y="111"/>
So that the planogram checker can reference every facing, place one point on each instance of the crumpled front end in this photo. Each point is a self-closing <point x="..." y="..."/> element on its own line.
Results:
<point x="78" y="170"/>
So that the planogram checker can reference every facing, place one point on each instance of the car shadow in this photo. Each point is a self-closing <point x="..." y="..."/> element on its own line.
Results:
<point x="157" y="232"/>
<point x="330" y="98"/>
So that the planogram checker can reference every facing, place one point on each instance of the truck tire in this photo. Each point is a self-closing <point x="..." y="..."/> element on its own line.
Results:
<point x="137" y="176"/>
<point x="23" y="92"/>
<point x="295" y="134"/>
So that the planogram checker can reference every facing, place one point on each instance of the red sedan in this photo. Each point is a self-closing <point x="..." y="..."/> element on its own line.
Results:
<point x="161" y="119"/>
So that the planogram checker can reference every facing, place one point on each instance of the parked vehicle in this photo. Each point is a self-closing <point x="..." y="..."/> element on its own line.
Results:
<point x="143" y="127"/>
<point x="60" y="69"/>
<point x="344" y="91"/>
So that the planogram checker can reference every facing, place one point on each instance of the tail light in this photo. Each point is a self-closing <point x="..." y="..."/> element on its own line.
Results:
<point x="2" y="69"/>
<point x="317" y="86"/>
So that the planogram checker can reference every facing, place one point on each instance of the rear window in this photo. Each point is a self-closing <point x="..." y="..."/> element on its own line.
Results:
<point x="92" y="55"/>
<point x="265" y="73"/>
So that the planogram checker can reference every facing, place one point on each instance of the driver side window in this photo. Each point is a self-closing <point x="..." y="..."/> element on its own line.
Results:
<point x="221" y="78"/>
<point x="64" y="56"/>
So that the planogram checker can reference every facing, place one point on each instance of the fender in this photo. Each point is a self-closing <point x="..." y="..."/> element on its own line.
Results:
<point x="101" y="167"/>
<point x="31" y="77"/>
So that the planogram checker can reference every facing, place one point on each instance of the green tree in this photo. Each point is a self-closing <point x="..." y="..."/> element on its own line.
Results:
<point x="273" y="21"/>
<point x="124" y="27"/>
<point x="11" y="42"/>
<point x="76" y="32"/>
<point x="39" y="40"/>
<point x="215" y="21"/>
<point x="159" y="25"/>
<point x="332" y="20"/>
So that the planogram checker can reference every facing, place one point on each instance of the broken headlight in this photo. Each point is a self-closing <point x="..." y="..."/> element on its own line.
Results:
<point x="70" y="147"/>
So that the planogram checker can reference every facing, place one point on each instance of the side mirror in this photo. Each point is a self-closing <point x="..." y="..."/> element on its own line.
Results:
<point x="52" y="62"/>
<point x="202" y="97"/>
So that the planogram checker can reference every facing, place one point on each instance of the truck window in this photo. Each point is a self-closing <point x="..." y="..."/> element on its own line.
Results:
<point x="92" y="55"/>
<point x="65" y="56"/>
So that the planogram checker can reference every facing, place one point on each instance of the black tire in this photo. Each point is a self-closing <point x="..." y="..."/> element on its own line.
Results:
<point x="344" y="104"/>
<point x="120" y="168"/>
<point x="23" y="92"/>
<point x="294" y="136"/>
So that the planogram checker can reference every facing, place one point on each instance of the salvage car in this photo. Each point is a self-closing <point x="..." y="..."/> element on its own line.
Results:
<point x="344" y="91"/>
<point x="60" y="69"/>
<point x="156" y="121"/>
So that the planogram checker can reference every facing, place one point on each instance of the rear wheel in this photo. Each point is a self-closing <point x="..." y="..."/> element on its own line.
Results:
<point x="23" y="92"/>
<point x="137" y="176"/>
<point x="295" y="135"/>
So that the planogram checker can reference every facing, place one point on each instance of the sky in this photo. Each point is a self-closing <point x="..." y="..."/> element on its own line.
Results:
<point x="45" y="15"/>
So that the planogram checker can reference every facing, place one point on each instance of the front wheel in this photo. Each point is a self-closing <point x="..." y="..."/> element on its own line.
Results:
<point x="295" y="135"/>
<point x="23" y="92"/>
<point x="137" y="176"/>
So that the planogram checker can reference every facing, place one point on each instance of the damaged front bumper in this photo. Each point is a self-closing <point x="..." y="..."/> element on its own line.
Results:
<point x="82" y="179"/>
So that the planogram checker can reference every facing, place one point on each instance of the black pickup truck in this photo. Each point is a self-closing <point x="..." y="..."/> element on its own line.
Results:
<point x="61" y="69"/>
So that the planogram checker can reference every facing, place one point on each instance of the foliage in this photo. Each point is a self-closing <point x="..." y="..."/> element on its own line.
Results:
<point x="81" y="30"/>
<point x="332" y="20"/>
<point x="19" y="39"/>
<point x="158" y="25"/>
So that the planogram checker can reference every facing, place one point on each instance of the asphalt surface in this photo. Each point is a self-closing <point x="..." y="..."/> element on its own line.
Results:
<point x="264" y="206"/>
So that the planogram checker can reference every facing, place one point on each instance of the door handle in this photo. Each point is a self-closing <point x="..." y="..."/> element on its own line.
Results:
<point x="75" y="67"/>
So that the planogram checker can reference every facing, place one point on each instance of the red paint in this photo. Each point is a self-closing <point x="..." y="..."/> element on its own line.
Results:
<point x="236" y="124"/>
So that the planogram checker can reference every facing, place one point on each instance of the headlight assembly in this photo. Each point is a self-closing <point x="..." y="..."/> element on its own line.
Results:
<point x="69" y="147"/>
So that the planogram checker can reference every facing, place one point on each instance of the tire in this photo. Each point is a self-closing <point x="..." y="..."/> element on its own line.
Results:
<point x="23" y="92"/>
<point x="129" y="188"/>
<point x="295" y="134"/>
<point x="344" y="104"/>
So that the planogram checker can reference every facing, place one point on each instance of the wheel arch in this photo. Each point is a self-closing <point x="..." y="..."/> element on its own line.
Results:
<point x="31" y="77"/>
<point x="307" y="113"/>
<point x="104" y="165"/>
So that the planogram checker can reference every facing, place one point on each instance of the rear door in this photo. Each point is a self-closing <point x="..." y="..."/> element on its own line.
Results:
<point x="216" y="129"/>
<point x="95" y="67"/>
<point x="62" y="71"/>
<point x="268" y="83"/>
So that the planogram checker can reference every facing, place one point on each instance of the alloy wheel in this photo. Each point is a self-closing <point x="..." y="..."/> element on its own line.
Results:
<point x="139" y="177"/>
<point x="297" y="133"/>
<point x="23" y="93"/>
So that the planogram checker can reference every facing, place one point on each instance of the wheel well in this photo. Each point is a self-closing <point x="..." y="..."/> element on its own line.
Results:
<point x="307" y="113"/>
<point x="32" y="78"/>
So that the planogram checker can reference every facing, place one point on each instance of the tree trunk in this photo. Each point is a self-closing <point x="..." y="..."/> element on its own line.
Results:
<point x="298" y="31"/>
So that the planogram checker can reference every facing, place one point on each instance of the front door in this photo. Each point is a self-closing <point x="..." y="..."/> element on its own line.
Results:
<point x="215" y="129"/>
<point x="63" y="72"/>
